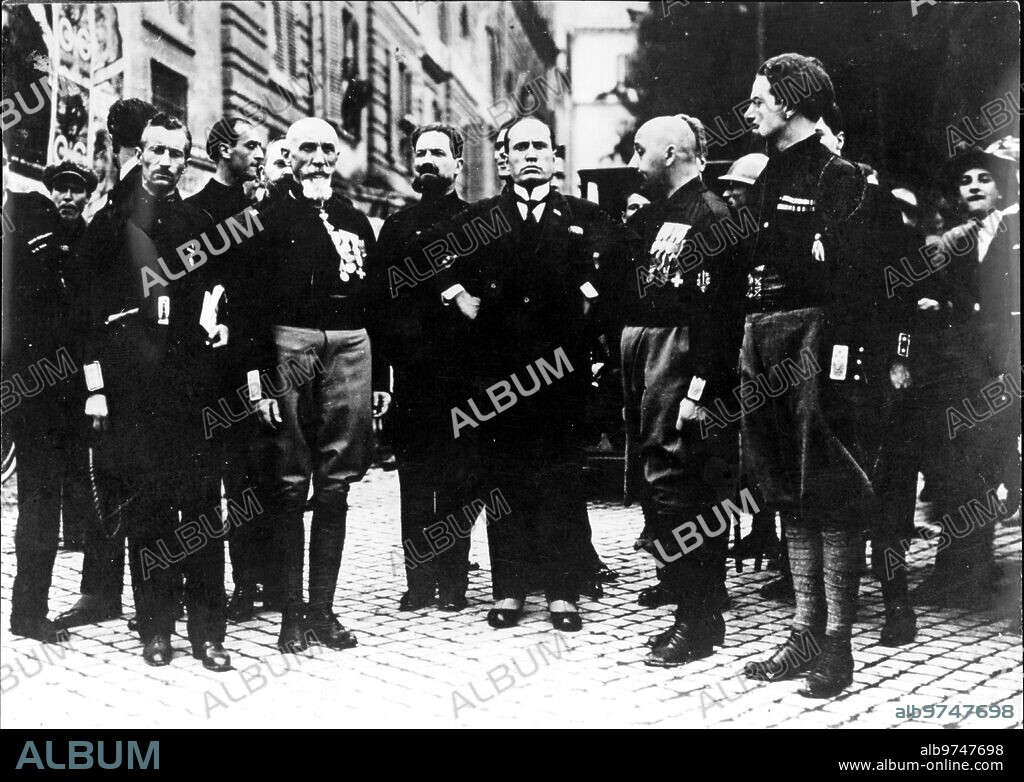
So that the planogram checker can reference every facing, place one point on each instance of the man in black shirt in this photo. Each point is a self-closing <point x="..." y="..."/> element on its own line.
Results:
<point x="236" y="147"/>
<point x="38" y="373"/>
<point x="681" y="330"/>
<point x="817" y="347"/>
<point x="311" y="377"/>
<point x="103" y="563"/>
<point x="144" y="345"/>
<point x="435" y="473"/>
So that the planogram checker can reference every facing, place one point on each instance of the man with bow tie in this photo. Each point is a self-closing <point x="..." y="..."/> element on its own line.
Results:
<point x="311" y="378"/>
<point x="678" y="303"/>
<point x="528" y="286"/>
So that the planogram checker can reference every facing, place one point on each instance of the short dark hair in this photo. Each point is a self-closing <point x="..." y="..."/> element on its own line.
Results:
<point x="515" y="122"/>
<point x="169" y="122"/>
<point x="833" y="117"/>
<point x="800" y="83"/>
<point x="456" y="142"/>
<point x="224" y="131"/>
<point x="126" y="120"/>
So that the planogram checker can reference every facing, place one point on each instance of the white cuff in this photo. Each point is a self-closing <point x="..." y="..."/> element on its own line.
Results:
<point x="452" y="292"/>
<point x="252" y="379"/>
<point x="696" y="389"/>
<point x="96" y="405"/>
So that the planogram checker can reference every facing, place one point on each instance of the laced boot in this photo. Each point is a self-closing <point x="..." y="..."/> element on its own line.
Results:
<point x="833" y="671"/>
<point x="800" y="651"/>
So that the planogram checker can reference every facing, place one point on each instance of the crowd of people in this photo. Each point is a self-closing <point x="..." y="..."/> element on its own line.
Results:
<point x="772" y="341"/>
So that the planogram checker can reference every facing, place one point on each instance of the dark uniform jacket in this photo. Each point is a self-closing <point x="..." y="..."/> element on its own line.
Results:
<point x="39" y="357"/>
<point x="983" y="297"/>
<point x="145" y="344"/>
<point x="700" y="291"/>
<point x="536" y="291"/>
<point x="219" y="203"/>
<point x="824" y="240"/>
<point x="419" y="337"/>
<point x="297" y="278"/>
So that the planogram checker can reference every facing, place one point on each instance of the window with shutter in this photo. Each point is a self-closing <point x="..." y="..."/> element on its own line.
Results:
<point x="288" y="38"/>
<point x="279" y="45"/>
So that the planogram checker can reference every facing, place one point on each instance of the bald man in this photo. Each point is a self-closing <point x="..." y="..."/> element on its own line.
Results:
<point x="311" y="381"/>
<point x="680" y="338"/>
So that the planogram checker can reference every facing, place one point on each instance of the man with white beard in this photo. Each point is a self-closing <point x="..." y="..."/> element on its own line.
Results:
<point x="311" y="378"/>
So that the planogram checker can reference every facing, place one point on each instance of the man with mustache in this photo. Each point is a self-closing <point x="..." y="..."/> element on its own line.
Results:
<point x="277" y="171"/>
<point x="435" y="475"/>
<point x="311" y="374"/>
<point x="143" y="346"/>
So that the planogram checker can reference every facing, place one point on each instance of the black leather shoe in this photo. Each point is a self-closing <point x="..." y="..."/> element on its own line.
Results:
<point x="800" y="651"/>
<point x="326" y="630"/>
<point x="213" y="656"/>
<point x="241" y="605"/>
<point x="566" y="621"/>
<point x="679" y="646"/>
<point x="605" y="573"/>
<point x="900" y="626"/>
<point x="592" y="587"/>
<point x="40" y="630"/>
<point x="833" y="671"/>
<point x="780" y="590"/>
<point x="453" y="602"/>
<point x="292" y="638"/>
<point x="157" y="651"/>
<point x="414" y="602"/>
<point x="89" y="610"/>
<point x="654" y="597"/>
<point x="502" y="618"/>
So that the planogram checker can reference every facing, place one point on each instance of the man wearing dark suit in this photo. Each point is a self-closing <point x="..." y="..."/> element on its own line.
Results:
<point x="313" y="301"/>
<point x="436" y="474"/>
<point x="237" y="148"/>
<point x="37" y="395"/>
<point x="527" y="284"/>
<point x="979" y="384"/>
<point x="103" y="562"/>
<point x="141" y="357"/>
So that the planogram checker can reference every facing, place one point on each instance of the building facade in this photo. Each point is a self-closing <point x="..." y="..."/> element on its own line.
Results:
<point x="375" y="70"/>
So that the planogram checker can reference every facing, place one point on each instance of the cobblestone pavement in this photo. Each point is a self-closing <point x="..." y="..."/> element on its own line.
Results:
<point x="437" y="670"/>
